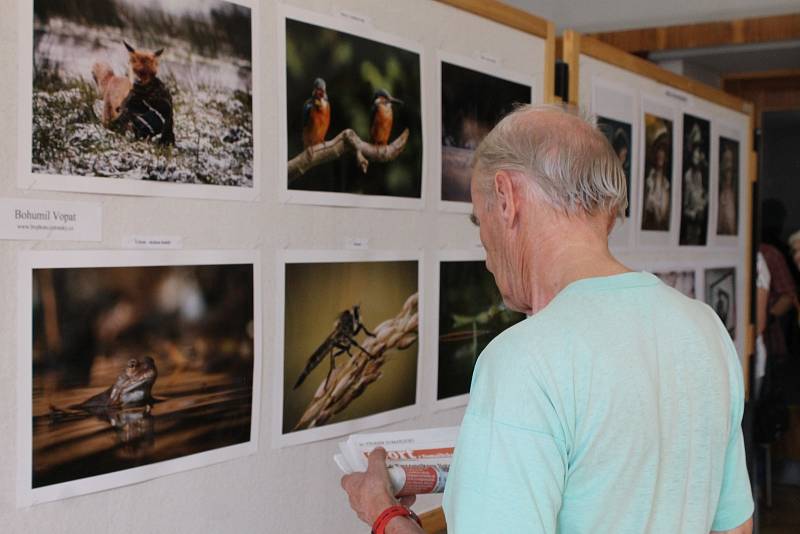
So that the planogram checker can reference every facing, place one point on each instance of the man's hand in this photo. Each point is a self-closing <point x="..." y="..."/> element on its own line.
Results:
<point x="370" y="492"/>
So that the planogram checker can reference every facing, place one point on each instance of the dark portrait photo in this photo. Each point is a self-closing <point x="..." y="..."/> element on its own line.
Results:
<point x="728" y="203"/>
<point x="720" y="286"/>
<point x="472" y="103"/>
<point x="657" y="190"/>
<point x="619" y="136"/>
<point x="694" y="190"/>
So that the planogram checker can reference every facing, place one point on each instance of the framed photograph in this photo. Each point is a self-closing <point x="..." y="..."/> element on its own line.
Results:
<point x="720" y="294"/>
<point x="475" y="95"/>
<point x="352" y="113"/>
<point x="140" y="97"/>
<point x="347" y="346"/>
<point x="728" y="187"/>
<point x="471" y="314"/>
<point x="658" y="208"/>
<point x="682" y="280"/>
<point x="694" y="185"/>
<point x="134" y="366"/>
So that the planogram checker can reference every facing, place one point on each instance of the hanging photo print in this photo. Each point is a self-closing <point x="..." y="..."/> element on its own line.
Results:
<point x="619" y="136"/>
<point x="721" y="295"/>
<point x="350" y="344"/>
<point x="141" y="366"/>
<point x="728" y="203"/>
<point x="683" y="281"/>
<point x="694" y="188"/>
<point x="657" y="194"/>
<point x="471" y="314"/>
<point x="472" y="103"/>
<point x="142" y="97"/>
<point x="353" y="116"/>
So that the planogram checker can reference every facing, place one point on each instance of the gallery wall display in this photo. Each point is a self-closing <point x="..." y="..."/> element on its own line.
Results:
<point x="728" y="188"/>
<point x="475" y="95"/>
<point x="352" y="109"/>
<point x="694" y="186"/>
<point x="471" y="314"/>
<point x="133" y="366"/>
<point x="720" y="294"/>
<point x="141" y="97"/>
<point x="347" y="348"/>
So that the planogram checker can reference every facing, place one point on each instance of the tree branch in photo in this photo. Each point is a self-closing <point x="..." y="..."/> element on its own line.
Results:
<point x="347" y="141"/>
<point x="349" y="380"/>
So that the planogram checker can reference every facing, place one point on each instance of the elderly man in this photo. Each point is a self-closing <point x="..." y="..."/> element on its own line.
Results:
<point x="616" y="406"/>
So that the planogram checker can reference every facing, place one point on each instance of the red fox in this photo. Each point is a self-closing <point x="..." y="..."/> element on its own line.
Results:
<point x="148" y="106"/>
<point x="112" y="89"/>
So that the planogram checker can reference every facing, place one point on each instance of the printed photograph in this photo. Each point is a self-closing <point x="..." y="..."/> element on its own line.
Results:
<point x="721" y="295"/>
<point x="683" y="281"/>
<point x="619" y="136"/>
<point x="143" y="90"/>
<point x="134" y="366"/>
<point x="728" y="204"/>
<point x="472" y="103"/>
<point x="471" y="314"/>
<point x="694" y="191"/>
<point x="350" y="341"/>
<point x="657" y="190"/>
<point x="353" y="114"/>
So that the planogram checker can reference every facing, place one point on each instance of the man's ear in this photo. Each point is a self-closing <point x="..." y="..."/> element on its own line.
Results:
<point x="507" y="197"/>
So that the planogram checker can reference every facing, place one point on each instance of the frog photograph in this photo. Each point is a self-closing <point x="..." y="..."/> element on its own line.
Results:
<point x="350" y="345"/>
<point x="471" y="314"/>
<point x="137" y="365"/>
<point x="353" y="112"/>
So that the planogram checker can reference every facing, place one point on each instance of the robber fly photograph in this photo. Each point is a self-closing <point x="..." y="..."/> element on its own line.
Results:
<point x="332" y="313"/>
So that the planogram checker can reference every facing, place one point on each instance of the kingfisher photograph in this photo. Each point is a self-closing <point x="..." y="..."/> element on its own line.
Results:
<point x="353" y="114"/>
<point x="473" y="101"/>
<point x="137" y="365"/>
<point x="350" y="343"/>
<point x="128" y="96"/>
<point x="471" y="314"/>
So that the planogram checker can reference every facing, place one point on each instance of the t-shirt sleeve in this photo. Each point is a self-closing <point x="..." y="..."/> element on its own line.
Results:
<point x="510" y="466"/>
<point x="735" y="504"/>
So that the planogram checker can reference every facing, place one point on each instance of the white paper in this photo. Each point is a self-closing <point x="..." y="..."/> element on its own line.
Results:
<point x="50" y="220"/>
<point x="157" y="242"/>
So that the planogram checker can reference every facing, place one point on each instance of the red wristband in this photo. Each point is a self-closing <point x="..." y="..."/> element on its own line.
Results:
<point x="390" y="513"/>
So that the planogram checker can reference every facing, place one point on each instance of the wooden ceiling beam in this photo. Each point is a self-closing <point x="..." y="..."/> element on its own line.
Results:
<point x="706" y="34"/>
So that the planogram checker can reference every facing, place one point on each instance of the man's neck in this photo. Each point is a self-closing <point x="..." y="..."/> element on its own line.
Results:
<point x="576" y="251"/>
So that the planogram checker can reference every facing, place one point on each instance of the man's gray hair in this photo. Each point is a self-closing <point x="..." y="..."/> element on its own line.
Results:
<point x="573" y="166"/>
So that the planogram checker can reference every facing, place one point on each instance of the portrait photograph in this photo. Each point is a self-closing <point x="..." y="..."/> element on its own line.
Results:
<point x="142" y="97"/>
<point x="694" y="187"/>
<point x="471" y="314"/>
<point x="472" y="103"/>
<point x="657" y="190"/>
<point x="619" y="136"/>
<point x="683" y="281"/>
<point x="137" y="370"/>
<point x="728" y="187"/>
<point x="353" y="116"/>
<point x="720" y="286"/>
<point x="349" y="353"/>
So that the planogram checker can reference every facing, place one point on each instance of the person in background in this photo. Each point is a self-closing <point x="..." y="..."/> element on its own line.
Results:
<point x="794" y="247"/>
<point x="781" y="300"/>
<point x="617" y="405"/>
<point x="762" y="295"/>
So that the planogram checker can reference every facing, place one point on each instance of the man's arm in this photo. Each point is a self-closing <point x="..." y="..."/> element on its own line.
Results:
<point x="744" y="528"/>
<point x="370" y="493"/>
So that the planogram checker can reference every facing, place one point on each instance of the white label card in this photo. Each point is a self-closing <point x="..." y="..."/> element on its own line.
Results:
<point x="161" y="242"/>
<point x="357" y="243"/>
<point x="53" y="220"/>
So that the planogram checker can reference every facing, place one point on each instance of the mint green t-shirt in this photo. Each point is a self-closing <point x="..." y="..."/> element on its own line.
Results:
<point x="617" y="408"/>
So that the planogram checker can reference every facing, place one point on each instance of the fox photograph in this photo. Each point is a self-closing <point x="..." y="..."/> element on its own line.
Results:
<point x="350" y="343"/>
<point x="138" y="365"/>
<point x="353" y="115"/>
<point x="471" y="314"/>
<point x="472" y="103"/>
<point x="132" y="93"/>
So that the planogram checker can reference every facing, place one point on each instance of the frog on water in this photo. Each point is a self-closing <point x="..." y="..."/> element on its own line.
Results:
<point x="132" y="388"/>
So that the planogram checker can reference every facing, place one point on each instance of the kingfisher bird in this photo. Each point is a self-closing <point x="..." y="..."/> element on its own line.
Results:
<point x="382" y="117"/>
<point x="316" y="115"/>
